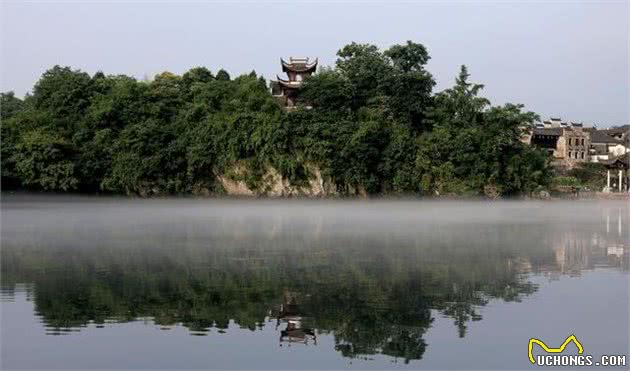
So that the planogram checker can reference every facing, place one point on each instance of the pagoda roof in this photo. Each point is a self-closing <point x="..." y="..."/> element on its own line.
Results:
<point x="289" y="84"/>
<point x="298" y="65"/>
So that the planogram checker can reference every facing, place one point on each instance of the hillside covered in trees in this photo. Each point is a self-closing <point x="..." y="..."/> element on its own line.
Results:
<point x="375" y="127"/>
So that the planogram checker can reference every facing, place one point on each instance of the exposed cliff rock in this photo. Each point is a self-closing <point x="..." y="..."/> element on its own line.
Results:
<point x="272" y="184"/>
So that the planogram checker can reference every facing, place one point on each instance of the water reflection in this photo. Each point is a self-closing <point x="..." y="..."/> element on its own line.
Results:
<point x="290" y="317"/>
<point x="372" y="281"/>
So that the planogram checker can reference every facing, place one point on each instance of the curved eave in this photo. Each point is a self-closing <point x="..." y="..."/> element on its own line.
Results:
<point x="288" y="84"/>
<point x="309" y="67"/>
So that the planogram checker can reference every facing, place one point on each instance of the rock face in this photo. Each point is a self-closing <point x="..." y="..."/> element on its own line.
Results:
<point x="234" y="187"/>
<point x="273" y="185"/>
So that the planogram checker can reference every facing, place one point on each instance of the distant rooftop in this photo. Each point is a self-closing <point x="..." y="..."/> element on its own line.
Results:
<point x="548" y="131"/>
<point x="619" y="129"/>
<point x="601" y="136"/>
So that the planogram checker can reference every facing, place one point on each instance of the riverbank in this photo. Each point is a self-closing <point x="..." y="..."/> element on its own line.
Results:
<point x="328" y="197"/>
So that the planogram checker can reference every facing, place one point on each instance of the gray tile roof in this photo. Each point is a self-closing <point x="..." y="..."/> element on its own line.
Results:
<point x="548" y="131"/>
<point x="601" y="136"/>
<point x="619" y="130"/>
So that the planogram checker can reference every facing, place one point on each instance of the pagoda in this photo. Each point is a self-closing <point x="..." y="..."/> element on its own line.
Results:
<point x="297" y="69"/>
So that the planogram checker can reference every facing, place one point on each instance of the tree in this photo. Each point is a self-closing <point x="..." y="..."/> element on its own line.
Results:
<point x="165" y="96"/>
<point x="474" y="148"/>
<point x="368" y="125"/>
<point x="328" y="90"/>
<point x="365" y="67"/>
<point x="45" y="128"/>
<point x="459" y="107"/>
<point x="117" y="102"/>
<point x="408" y="88"/>
<point x="42" y="159"/>
<point x="195" y="77"/>
<point x="9" y="105"/>
<point x="223" y="75"/>
<point x="147" y="159"/>
<point x="408" y="58"/>
<point x="65" y="94"/>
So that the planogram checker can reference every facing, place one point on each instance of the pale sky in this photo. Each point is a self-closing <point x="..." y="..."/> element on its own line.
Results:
<point x="560" y="58"/>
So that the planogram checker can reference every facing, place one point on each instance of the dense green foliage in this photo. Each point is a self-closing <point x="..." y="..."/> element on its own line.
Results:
<point x="590" y="175"/>
<point x="375" y="127"/>
<point x="587" y="176"/>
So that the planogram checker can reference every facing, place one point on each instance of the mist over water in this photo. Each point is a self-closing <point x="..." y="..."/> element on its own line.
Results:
<point x="307" y="283"/>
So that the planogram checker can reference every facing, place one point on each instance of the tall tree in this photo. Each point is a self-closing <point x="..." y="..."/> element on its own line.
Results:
<point x="408" y="88"/>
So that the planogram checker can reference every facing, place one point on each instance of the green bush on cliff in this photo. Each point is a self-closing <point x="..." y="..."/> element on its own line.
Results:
<point x="375" y="127"/>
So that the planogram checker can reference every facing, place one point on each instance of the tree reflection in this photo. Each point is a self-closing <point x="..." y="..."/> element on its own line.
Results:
<point x="376" y="293"/>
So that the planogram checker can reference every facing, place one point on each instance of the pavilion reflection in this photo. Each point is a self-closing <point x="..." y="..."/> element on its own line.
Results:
<point x="290" y="317"/>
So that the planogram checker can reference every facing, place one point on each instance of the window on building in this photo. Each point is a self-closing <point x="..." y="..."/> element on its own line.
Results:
<point x="569" y="141"/>
<point x="582" y="141"/>
<point x="570" y="154"/>
<point x="582" y="153"/>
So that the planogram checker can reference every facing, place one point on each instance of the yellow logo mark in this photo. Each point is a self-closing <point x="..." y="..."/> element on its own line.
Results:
<point x="560" y="349"/>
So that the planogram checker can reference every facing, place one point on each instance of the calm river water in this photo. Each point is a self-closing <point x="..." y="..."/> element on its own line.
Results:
<point x="112" y="283"/>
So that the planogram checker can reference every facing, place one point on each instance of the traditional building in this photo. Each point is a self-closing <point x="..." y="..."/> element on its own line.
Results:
<point x="604" y="146"/>
<point x="616" y="167"/>
<point x="546" y="138"/>
<point x="297" y="69"/>
<point x="568" y="144"/>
